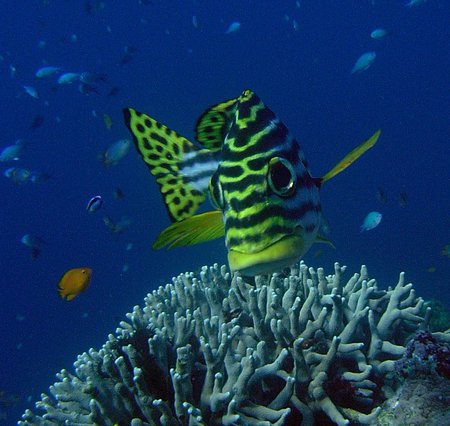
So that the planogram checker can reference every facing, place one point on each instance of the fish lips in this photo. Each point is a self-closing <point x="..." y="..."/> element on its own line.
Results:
<point x="281" y="254"/>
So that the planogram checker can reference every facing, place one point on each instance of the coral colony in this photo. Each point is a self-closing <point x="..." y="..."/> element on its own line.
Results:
<point x="214" y="349"/>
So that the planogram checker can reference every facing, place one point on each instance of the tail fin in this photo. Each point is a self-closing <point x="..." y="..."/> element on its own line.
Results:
<point x="171" y="158"/>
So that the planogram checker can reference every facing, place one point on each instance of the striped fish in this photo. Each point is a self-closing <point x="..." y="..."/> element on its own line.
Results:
<point x="267" y="202"/>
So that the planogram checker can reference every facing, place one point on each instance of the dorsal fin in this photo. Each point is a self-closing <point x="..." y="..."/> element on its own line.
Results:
<point x="213" y="124"/>
<point x="166" y="152"/>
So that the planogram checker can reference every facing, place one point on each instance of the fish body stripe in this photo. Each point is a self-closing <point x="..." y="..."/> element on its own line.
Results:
<point x="254" y="216"/>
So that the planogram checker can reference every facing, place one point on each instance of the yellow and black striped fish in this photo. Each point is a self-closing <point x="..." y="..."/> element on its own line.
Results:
<point x="267" y="203"/>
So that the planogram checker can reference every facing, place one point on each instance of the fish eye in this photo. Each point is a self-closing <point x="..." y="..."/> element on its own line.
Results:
<point x="216" y="192"/>
<point x="282" y="178"/>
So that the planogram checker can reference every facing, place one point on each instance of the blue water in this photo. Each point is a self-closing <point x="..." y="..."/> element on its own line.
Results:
<point x="175" y="72"/>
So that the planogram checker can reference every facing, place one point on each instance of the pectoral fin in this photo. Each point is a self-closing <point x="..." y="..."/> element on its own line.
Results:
<point x="321" y="239"/>
<point x="352" y="156"/>
<point x="193" y="230"/>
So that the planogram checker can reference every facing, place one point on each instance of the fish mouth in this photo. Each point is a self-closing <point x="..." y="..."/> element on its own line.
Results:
<point x="281" y="254"/>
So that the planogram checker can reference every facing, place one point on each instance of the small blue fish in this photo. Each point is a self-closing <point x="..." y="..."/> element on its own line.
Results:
<point x="34" y="243"/>
<point x="13" y="152"/>
<point x="68" y="78"/>
<point x="17" y="175"/>
<point x="379" y="33"/>
<point x="233" y="27"/>
<point x="414" y="3"/>
<point x="117" y="227"/>
<point x="47" y="71"/>
<point x="30" y="90"/>
<point x="40" y="177"/>
<point x="364" y="62"/>
<point x="94" y="204"/>
<point x="115" y="152"/>
<point x="371" y="221"/>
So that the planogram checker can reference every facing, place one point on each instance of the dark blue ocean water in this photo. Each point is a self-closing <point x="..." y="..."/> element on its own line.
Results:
<point x="161" y="64"/>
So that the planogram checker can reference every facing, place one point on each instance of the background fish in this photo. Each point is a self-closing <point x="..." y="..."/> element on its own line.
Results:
<point x="364" y="62"/>
<point x="74" y="282"/>
<point x="115" y="152"/>
<point x="268" y="204"/>
<point x="372" y="220"/>
<point x="13" y="152"/>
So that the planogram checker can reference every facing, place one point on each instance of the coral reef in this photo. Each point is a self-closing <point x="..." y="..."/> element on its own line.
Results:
<point x="440" y="320"/>
<point x="425" y="355"/>
<point x="295" y="348"/>
<point x="424" y="396"/>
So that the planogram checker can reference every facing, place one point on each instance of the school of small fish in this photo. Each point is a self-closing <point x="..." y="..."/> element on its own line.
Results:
<point x="92" y="82"/>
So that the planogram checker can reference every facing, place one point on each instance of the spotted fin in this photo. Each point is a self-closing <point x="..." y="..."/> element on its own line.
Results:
<point x="181" y="170"/>
<point x="213" y="124"/>
<point x="351" y="157"/>
<point x="193" y="230"/>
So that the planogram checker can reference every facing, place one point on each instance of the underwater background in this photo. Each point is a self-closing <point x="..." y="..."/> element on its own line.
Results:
<point x="173" y="60"/>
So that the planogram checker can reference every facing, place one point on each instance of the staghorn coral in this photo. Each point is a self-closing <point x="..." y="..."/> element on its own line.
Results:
<point x="295" y="348"/>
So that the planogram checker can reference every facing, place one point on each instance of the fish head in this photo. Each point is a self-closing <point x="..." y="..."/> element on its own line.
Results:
<point x="270" y="203"/>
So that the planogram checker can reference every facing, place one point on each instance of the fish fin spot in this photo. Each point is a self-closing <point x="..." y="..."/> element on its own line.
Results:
<point x="213" y="124"/>
<point x="163" y="150"/>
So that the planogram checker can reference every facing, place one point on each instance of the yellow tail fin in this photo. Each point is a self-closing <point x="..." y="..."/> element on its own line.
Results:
<point x="352" y="156"/>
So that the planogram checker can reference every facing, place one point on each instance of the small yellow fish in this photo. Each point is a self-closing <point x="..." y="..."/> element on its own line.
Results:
<point x="74" y="282"/>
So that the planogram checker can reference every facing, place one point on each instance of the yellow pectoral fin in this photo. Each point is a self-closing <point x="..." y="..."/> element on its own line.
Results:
<point x="193" y="230"/>
<point x="352" y="156"/>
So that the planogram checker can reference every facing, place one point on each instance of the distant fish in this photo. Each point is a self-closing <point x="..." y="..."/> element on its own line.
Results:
<point x="381" y="195"/>
<point x="117" y="227"/>
<point x="118" y="194"/>
<point x="379" y="33"/>
<point x="87" y="89"/>
<point x="371" y="221"/>
<point x="94" y="204"/>
<point x="115" y="152"/>
<point x="12" y="71"/>
<point x="40" y="177"/>
<point x="34" y="243"/>
<point x="233" y="27"/>
<point x="128" y="55"/>
<point x="93" y="77"/>
<point x="114" y="91"/>
<point x="74" y="282"/>
<point x="37" y="122"/>
<point x="195" y="22"/>
<point x="30" y="90"/>
<point x="47" y="71"/>
<point x="403" y="199"/>
<point x="68" y="78"/>
<point x="446" y="251"/>
<point x="107" y="120"/>
<point x="414" y="3"/>
<point x="364" y="62"/>
<point x="17" y="175"/>
<point x="13" y="152"/>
